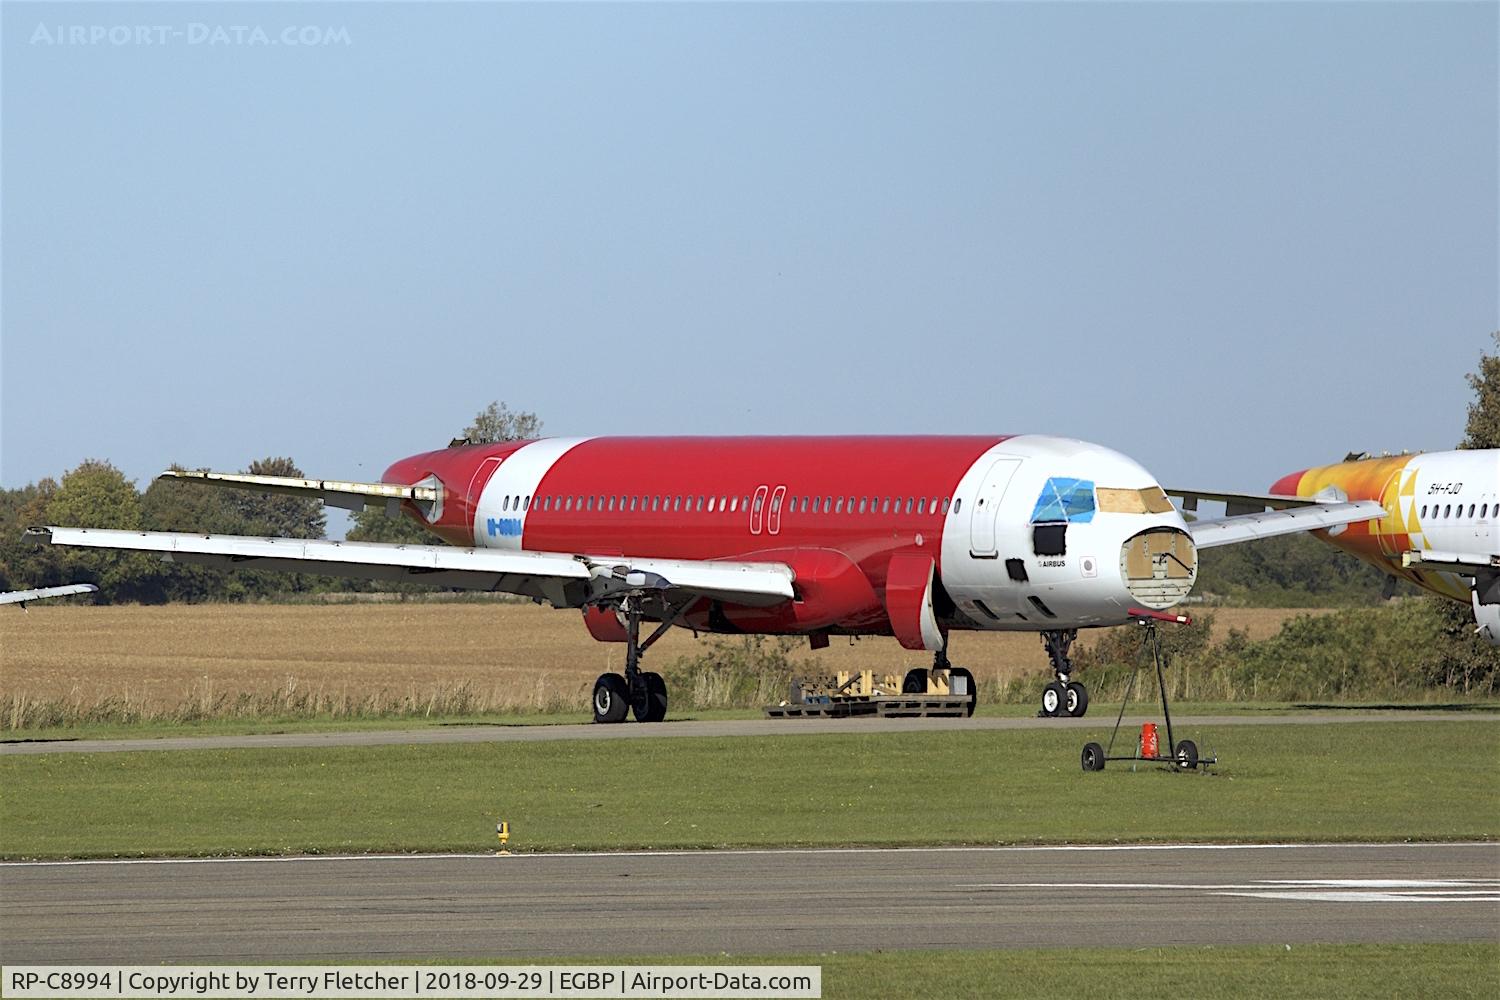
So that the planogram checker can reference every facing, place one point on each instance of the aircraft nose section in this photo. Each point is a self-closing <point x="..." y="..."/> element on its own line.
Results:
<point x="1160" y="566"/>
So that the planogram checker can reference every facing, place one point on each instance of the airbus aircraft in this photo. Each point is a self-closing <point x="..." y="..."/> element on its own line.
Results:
<point x="23" y="597"/>
<point x="1439" y="525"/>
<point x="911" y="537"/>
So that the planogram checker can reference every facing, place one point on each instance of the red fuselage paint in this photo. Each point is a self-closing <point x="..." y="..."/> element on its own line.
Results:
<point x="846" y="506"/>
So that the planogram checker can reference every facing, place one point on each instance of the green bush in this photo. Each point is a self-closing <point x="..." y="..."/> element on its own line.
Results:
<point x="1421" y="648"/>
<point x="748" y="672"/>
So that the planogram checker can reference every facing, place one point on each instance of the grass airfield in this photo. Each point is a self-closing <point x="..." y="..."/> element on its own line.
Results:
<point x="1354" y="781"/>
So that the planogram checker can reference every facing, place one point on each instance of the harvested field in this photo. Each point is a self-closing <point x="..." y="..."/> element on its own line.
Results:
<point x="395" y="658"/>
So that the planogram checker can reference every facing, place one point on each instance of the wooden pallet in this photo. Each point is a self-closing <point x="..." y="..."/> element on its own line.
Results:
<point x="907" y="706"/>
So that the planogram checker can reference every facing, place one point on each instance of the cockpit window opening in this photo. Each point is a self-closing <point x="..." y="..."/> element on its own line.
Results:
<point x="1064" y="500"/>
<point x="1150" y="500"/>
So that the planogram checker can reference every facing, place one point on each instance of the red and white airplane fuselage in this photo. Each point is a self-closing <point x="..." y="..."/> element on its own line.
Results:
<point x="854" y="518"/>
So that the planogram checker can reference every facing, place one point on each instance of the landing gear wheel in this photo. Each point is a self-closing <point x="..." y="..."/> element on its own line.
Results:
<point x="1078" y="699"/>
<point x="970" y="690"/>
<point x="1187" y="754"/>
<point x="650" y="703"/>
<point x="915" y="681"/>
<point x="611" y="698"/>
<point x="1054" y="700"/>
<point x="1093" y="757"/>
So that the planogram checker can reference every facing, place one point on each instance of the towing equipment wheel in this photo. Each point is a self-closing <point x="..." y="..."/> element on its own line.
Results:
<point x="1187" y="754"/>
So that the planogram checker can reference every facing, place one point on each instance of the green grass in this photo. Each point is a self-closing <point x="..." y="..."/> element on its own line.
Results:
<point x="1358" y="781"/>
<point x="1322" y="971"/>
<point x="1102" y="712"/>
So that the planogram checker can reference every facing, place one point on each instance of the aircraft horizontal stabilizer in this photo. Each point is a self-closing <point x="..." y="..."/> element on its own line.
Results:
<point x="1307" y="517"/>
<point x="563" y="579"/>
<point x="350" y="496"/>
<point x="22" y="596"/>
<point x="1241" y="503"/>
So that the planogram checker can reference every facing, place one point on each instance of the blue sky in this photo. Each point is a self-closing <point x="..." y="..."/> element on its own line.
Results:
<point x="1229" y="239"/>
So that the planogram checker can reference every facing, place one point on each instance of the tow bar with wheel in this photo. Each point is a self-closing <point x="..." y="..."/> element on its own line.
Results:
<point x="1184" y="755"/>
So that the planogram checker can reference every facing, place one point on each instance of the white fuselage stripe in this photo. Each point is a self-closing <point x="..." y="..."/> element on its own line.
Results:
<point x="500" y="517"/>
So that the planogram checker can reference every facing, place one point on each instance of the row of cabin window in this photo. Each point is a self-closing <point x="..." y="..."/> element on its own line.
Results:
<point x="795" y="505"/>
<point x="1448" y="510"/>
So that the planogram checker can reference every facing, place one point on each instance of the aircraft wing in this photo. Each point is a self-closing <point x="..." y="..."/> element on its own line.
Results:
<point x="1309" y="516"/>
<point x="22" y="596"/>
<point x="1462" y="563"/>
<point x="563" y="579"/>
<point x="1242" y="503"/>
<point x="335" y="493"/>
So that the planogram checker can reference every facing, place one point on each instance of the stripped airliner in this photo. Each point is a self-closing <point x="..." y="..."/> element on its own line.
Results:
<point x="911" y="537"/>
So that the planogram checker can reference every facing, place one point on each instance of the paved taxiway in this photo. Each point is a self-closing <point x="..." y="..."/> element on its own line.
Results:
<point x="720" y="727"/>
<point x="752" y="901"/>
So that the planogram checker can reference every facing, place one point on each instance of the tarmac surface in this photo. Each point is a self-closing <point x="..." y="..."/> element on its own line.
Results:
<point x="718" y="727"/>
<point x="775" y="901"/>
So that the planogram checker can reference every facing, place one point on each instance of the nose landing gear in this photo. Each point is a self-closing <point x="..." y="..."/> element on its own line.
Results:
<point x="1063" y="696"/>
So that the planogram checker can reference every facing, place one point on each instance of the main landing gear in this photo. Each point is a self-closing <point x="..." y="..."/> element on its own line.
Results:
<point x="960" y="680"/>
<point x="1063" y="696"/>
<point x="639" y="692"/>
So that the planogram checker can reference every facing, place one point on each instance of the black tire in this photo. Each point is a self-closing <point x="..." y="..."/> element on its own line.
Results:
<point x="651" y="706"/>
<point x="1187" y="754"/>
<point x="1078" y="699"/>
<point x="1093" y="757"/>
<point x="611" y="698"/>
<point x="969" y="686"/>
<point x="915" y="681"/>
<point x="1054" y="700"/>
